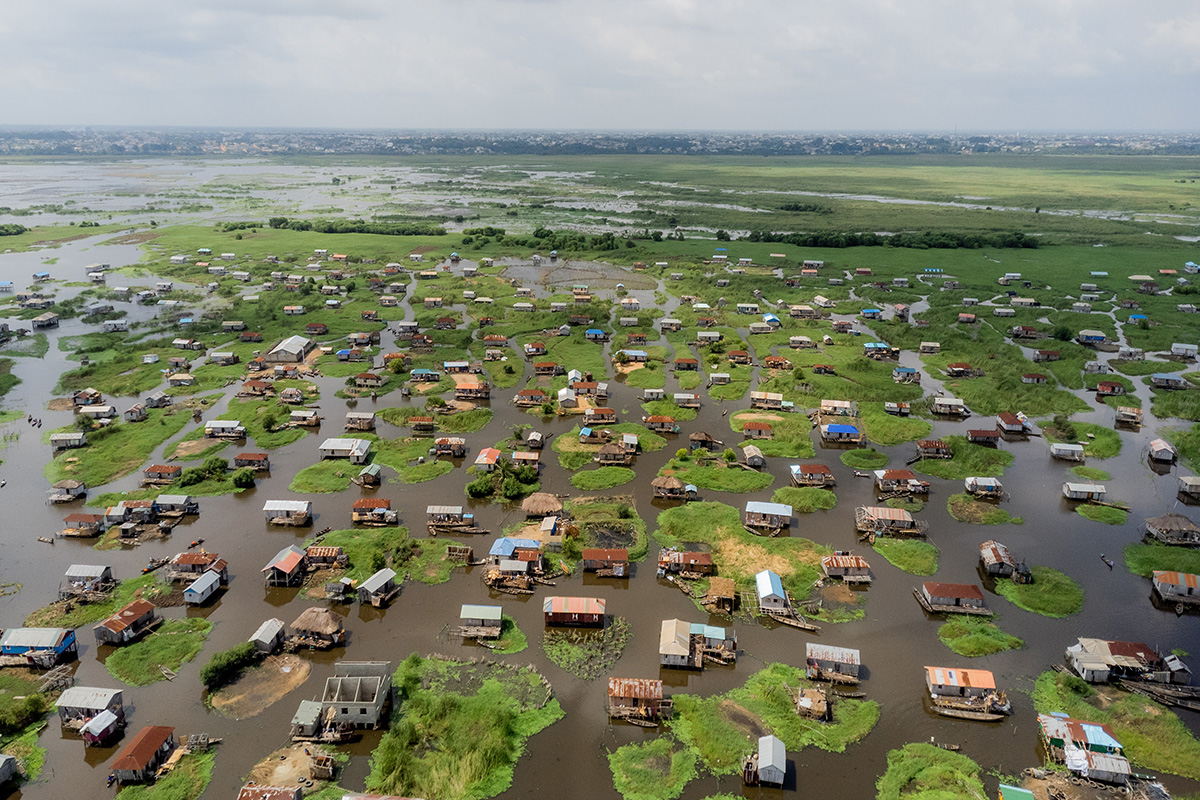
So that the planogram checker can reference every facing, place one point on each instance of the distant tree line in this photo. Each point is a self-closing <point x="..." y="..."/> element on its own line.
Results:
<point x="920" y="240"/>
<point x="12" y="229"/>
<point x="358" y="226"/>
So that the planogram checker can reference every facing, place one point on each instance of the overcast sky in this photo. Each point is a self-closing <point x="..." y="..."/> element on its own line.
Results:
<point x="1020" y="65"/>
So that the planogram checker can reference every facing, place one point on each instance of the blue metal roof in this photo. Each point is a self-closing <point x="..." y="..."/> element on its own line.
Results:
<point x="841" y="429"/>
<point x="1138" y="316"/>
<point x="768" y="583"/>
<point x="770" y="318"/>
<point x="594" y="330"/>
<point x="871" y="311"/>
<point x="904" y="370"/>
<point x="707" y="631"/>
<point x="875" y="346"/>
<point x="507" y="545"/>
<point x="1163" y="376"/>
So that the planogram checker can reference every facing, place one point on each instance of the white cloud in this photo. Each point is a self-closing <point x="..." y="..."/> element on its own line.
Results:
<point x="872" y="64"/>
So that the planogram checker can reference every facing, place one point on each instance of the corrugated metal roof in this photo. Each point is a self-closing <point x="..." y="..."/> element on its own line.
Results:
<point x="268" y="630"/>
<point x="888" y="513"/>
<point x="992" y="552"/>
<point x="964" y="678"/>
<point x="772" y="509"/>
<point x="605" y="554"/>
<point x="1183" y="579"/>
<point x="287" y="505"/>
<point x="636" y="688"/>
<point x="962" y="591"/>
<point x="769" y="584"/>
<point x="138" y="753"/>
<point x="452" y="510"/>
<point x="378" y="580"/>
<point x="844" y="562"/>
<point x="286" y="560"/>
<point x="89" y="697"/>
<point x="33" y="637"/>
<point x="129" y="614"/>
<point x="838" y="655"/>
<point x="674" y="638"/>
<point x="469" y="611"/>
<point x="771" y="753"/>
<point x="573" y="605"/>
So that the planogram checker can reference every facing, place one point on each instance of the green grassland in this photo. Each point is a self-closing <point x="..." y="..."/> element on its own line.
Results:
<point x="76" y="615"/>
<point x="117" y="450"/>
<point x="1098" y="441"/>
<point x="1052" y="594"/>
<point x="913" y="556"/>
<point x="965" y="508"/>
<point x="458" y="729"/>
<point x="864" y="459"/>
<point x="718" y="729"/>
<point x="973" y="637"/>
<point x="655" y="770"/>
<point x="370" y="549"/>
<point x="805" y="499"/>
<point x="714" y="474"/>
<point x="1153" y="736"/>
<point x="789" y="433"/>
<point x="186" y="781"/>
<point x="923" y="771"/>
<point x="1105" y="514"/>
<point x="887" y="430"/>
<point x="1145" y="559"/>
<point x="594" y="480"/>
<point x="174" y="643"/>
<point x="573" y="454"/>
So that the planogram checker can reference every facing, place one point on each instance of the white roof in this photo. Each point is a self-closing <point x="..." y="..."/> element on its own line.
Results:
<point x="469" y="611"/>
<point x="86" y="697"/>
<point x="287" y="505"/>
<point x="204" y="583"/>
<point x="292" y="344"/>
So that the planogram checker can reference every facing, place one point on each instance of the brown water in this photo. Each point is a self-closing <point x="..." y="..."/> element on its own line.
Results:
<point x="896" y="639"/>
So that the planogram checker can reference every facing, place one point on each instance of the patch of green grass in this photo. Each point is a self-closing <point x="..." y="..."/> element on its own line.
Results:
<point x="1052" y="593"/>
<point x="865" y="459"/>
<point x="1153" y="736"/>
<point x="76" y="615"/>
<point x="512" y="639"/>
<point x="923" y="771"/>
<point x="587" y="653"/>
<point x="789" y="433"/>
<point x="913" y="556"/>
<point x="7" y="379"/>
<point x="965" y="508"/>
<point x="458" y="729"/>
<point x="594" y="480"/>
<point x="25" y="748"/>
<point x="324" y="477"/>
<point x="739" y="554"/>
<point x="910" y="504"/>
<point x="968" y="459"/>
<point x="1105" y="514"/>
<point x="1091" y="473"/>
<point x="573" y="454"/>
<point x="1187" y="444"/>
<point x="255" y="415"/>
<point x="715" y="475"/>
<point x="667" y="408"/>
<point x="653" y="770"/>
<point x="186" y="781"/>
<point x="1145" y="559"/>
<point x="117" y="450"/>
<point x="601" y="518"/>
<point x="402" y="455"/>
<point x="722" y="729"/>
<point x="973" y="637"/>
<point x="886" y="429"/>
<point x="370" y="549"/>
<point x="35" y="346"/>
<point x="1183" y="404"/>
<point x="805" y="499"/>
<point x="217" y="446"/>
<point x="1103" y="442"/>
<point x="465" y="421"/>
<point x="119" y="371"/>
<point x="174" y="643"/>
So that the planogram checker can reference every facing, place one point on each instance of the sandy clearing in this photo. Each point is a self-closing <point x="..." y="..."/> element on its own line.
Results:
<point x="261" y="687"/>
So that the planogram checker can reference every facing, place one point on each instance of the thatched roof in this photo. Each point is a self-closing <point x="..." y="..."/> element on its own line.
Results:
<point x="318" y="620"/>
<point x="721" y="587"/>
<point x="667" y="482"/>
<point x="700" y="436"/>
<point x="612" y="448"/>
<point x="1172" y="522"/>
<point x="541" y="504"/>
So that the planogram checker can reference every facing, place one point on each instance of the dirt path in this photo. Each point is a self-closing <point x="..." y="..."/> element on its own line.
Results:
<point x="287" y="767"/>
<point x="186" y="450"/>
<point x="261" y="687"/>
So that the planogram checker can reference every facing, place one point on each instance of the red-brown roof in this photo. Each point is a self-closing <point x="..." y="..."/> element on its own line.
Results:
<point x="271" y="793"/>
<point x="198" y="559"/>
<point x="990" y="433"/>
<point x="636" y="688"/>
<point x="756" y="426"/>
<point x="815" y="469"/>
<point x="251" y="457"/>
<point x="171" y="470"/>
<point x="139" y="752"/>
<point x="372" y="502"/>
<point x="81" y="517"/>
<point x="606" y="554"/>
<point x="899" y="475"/>
<point x="1009" y="418"/>
<point x="128" y="615"/>
<point x="659" y="418"/>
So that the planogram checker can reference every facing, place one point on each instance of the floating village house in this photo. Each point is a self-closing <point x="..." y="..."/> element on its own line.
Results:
<point x="127" y="624"/>
<point x="849" y="568"/>
<point x="637" y="698"/>
<point x="772" y="598"/>
<point x="317" y="628"/>
<point x="480" y="622"/>
<point x="771" y="516"/>
<point x="95" y="712"/>
<point x="1102" y="660"/>
<point x="379" y="589"/>
<point x="269" y="636"/>
<point x="574" y="611"/>
<point x="888" y="520"/>
<point x="812" y="475"/>
<point x="200" y="590"/>
<point x="287" y="568"/>
<point x="668" y="487"/>
<point x="42" y="647"/>
<point x="997" y="560"/>
<point x="1173" y="529"/>
<point x="1084" y="491"/>
<point x="357" y="450"/>
<point x="676" y="647"/>
<point x="951" y="682"/>
<point x="145" y="753"/>
<point x="288" y="512"/>
<point x="260" y="462"/>
<point x="828" y="663"/>
<point x="983" y="486"/>
<point x="770" y="761"/>
<point x="1066" y="452"/>
<point x="952" y="598"/>
<point x="1088" y="749"/>
<point x="1182" y="588"/>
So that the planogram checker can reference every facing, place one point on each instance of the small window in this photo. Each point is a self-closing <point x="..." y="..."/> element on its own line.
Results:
<point x="362" y="711"/>
<point x="345" y="710"/>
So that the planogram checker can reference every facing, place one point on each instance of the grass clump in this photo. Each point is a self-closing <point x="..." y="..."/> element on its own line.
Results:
<point x="913" y="556"/>
<point x="789" y="433"/>
<point x="968" y="459"/>
<point x="370" y="550"/>
<point x="1187" y="444"/>
<point x="587" y="654"/>
<point x="186" y="781"/>
<point x="1153" y="736"/>
<point x="722" y="729"/>
<point x="886" y="429"/>
<point x="715" y="475"/>
<point x="1105" y="514"/>
<point x="1052" y="593"/>
<point x="224" y="667"/>
<point x="73" y="614"/>
<point x="458" y="729"/>
<point x="573" y="454"/>
<point x="922" y="771"/>
<point x="117" y="450"/>
<point x="653" y="770"/>
<point x="972" y="637"/>
<point x="602" y="478"/>
<point x="605" y="522"/>
<point x="324" y="477"/>
<point x="465" y="421"/>
<point x="965" y="508"/>
<point x="403" y="455"/>
<point x="1145" y="559"/>
<point x="1091" y="473"/>
<point x="1101" y="443"/>
<point x="175" y="643"/>
<point x="27" y="751"/>
<point x="865" y="459"/>
<point x="805" y="499"/>
<point x="512" y="639"/>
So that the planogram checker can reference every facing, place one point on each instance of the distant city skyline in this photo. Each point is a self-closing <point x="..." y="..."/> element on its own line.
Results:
<point x="1032" y="66"/>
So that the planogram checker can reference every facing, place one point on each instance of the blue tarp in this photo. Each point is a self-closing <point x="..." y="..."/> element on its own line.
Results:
<point x="842" y="429"/>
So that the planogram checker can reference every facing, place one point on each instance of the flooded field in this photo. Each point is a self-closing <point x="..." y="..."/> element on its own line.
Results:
<point x="896" y="638"/>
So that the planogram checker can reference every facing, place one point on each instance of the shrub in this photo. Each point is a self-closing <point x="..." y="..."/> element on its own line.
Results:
<point x="192" y="475"/>
<point x="243" y="478"/>
<point x="226" y="665"/>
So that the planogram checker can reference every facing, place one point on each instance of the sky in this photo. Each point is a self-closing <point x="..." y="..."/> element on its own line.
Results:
<point x="792" y="65"/>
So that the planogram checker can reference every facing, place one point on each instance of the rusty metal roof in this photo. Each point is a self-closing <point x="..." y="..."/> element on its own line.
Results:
<point x="128" y="615"/>
<point x="637" y="688"/>
<point x="838" y="655"/>
<point x="992" y="552"/>
<point x="372" y="502"/>
<point x="606" y="554"/>
<point x="138" y="753"/>
<point x="965" y="591"/>
<point x="573" y="605"/>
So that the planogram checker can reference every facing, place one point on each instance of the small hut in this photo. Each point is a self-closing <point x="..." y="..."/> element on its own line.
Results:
<point x="317" y="627"/>
<point x="996" y="559"/>
<point x="668" y="487"/>
<point x="541" y="504"/>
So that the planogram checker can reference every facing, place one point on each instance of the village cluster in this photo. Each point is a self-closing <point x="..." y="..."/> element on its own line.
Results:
<point x="519" y="563"/>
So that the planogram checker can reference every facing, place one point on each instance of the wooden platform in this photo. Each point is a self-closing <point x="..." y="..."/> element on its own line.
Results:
<point x="940" y="609"/>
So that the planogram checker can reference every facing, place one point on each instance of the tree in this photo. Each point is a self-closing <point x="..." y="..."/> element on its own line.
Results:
<point x="243" y="478"/>
<point x="722" y="236"/>
<point x="730" y="456"/>
<point x="1062" y="333"/>
<point x="681" y="453"/>
<point x="216" y="466"/>
<point x="269" y="419"/>
<point x="378" y="560"/>
<point x="350" y="286"/>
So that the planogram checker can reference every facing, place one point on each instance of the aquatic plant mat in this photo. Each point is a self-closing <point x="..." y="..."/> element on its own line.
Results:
<point x="655" y="770"/>
<point x="910" y="555"/>
<point x="587" y="653"/>
<point x="186" y="781"/>
<point x="973" y="637"/>
<point x="1052" y="594"/>
<point x="459" y="728"/>
<point x="922" y="771"/>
